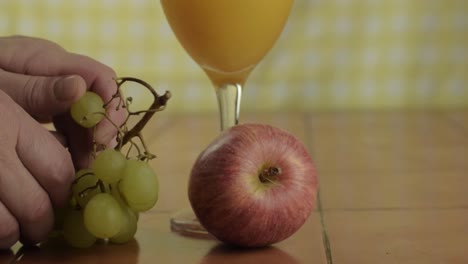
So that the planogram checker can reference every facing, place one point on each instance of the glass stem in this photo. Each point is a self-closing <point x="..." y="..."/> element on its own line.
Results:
<point x="229" y="98"/>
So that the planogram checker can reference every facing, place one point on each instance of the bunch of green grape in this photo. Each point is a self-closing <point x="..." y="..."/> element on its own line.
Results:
<point x="108" y="196"/>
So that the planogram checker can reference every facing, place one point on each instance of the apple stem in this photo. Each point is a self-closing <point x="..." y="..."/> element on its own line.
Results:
<point x="269" y="174"/>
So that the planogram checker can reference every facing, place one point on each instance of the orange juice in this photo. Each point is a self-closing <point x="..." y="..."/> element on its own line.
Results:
<point x="227" y="38"/>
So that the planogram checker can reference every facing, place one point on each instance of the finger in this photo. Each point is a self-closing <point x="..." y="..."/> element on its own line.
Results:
<point x="9" y="229"/>
<point x="41" y="57"/>
<point x="43" y="96"/>
<point x="98" y="77"/>
<point x="80" y="141"/>
<point x="54" y="171"/>
<point x="106" y="130"/>
<point x="25" y="199"/>
<point x="59" y="137"/>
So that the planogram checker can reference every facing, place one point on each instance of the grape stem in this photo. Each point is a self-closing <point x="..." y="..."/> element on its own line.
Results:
<point x="85" y="191"/>
<point x="81" y="176"/>
<point x="159" y="104"/>
<point x="125" y="135"/>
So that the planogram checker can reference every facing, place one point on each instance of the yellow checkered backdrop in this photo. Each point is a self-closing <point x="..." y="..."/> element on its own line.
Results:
<point x="333" y="54"/>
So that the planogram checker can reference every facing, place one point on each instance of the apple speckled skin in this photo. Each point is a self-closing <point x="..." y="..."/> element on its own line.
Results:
<point x="253" y="186"/>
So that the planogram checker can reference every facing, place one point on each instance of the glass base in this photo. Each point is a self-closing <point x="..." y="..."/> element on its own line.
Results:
<point x="185" y="223"/>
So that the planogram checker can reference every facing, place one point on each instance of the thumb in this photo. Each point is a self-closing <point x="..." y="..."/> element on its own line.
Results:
<point x="43" y="96"/>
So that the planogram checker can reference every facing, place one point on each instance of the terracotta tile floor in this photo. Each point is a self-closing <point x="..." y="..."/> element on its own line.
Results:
<point x="393" y="189"/>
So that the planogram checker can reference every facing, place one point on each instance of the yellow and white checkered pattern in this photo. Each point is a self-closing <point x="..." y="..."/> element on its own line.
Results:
<point x="333" y="54"/>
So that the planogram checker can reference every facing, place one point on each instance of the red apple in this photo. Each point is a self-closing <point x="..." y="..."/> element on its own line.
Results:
<point x="253" y="186"/>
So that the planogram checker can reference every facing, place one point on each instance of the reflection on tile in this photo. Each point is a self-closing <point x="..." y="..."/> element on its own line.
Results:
<point x="306" y="244"/>
<point x="425" y="236"/>
<point x="158" y="242"/>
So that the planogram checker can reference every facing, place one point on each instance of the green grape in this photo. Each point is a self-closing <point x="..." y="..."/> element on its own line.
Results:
<point x="114" y="190"/>
<point x="109" y="165"/>
<point x="88" y="110"/>
<point x="103" y="216"/>
<point x="139" y="185"/>
<point x="75" y="232"/>
<point x="129" y="226"/>
<point x="84" y="179"/>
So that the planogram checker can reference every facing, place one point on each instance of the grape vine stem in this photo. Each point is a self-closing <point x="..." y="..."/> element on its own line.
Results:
<point x="159" y="104"/>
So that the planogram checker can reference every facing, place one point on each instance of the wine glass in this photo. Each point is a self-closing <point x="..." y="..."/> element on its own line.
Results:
<point x="227" y="38"/>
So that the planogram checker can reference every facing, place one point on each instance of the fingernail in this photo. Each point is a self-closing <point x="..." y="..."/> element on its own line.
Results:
<point x="65" y="90"/>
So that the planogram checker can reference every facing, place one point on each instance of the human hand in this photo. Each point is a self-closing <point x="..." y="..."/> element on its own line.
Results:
<point x="36" y="175"/>
<point x="39" y="81"/>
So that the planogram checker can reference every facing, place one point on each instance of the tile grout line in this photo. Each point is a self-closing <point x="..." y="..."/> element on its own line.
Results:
<point x="325" y="239"/>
